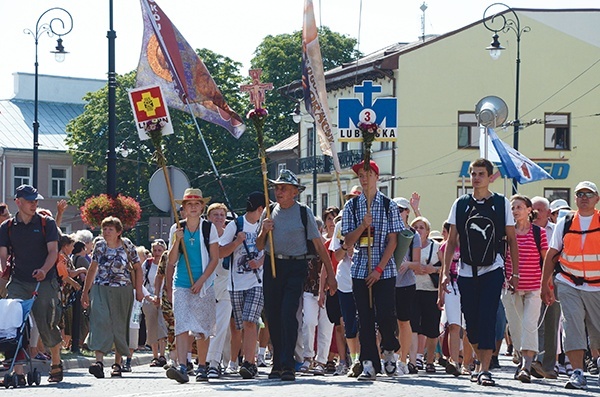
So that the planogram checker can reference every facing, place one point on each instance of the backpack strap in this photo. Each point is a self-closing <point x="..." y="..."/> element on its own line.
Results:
<point x="430" y="252"/>
<point x="206" y="226"/>
<point x="537" y="236"/>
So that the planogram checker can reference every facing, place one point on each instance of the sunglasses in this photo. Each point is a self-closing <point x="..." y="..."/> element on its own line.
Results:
<point x="585" y="194"/>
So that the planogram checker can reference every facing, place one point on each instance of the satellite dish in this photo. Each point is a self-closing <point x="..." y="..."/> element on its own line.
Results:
<point x="491" y="111"/>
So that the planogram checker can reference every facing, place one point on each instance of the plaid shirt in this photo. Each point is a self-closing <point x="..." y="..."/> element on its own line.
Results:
<point x="383" y="224"/>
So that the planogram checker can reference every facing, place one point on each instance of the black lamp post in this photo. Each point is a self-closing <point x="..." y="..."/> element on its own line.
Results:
<point x="297" y="117"/>
<point x="111" y="155"/>
<point x="54" y="27"/>
<point x="499" y="22"/>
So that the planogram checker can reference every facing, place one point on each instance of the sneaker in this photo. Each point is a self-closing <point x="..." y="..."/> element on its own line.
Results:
<point x="305" y="366"/>
<point x="232" y="368"/>
<point x="341" y="369"/>
<point x="275" y="374"/>
<point x="260" y="361"/>
<point x="537" y="371"/>
<point x="524" y="376"/>
<point x="213" y="373"/>
<point x="412" y="369"/>
<point x="180" y="375"/>
<point x="577" y="381"/>
<point x="248" y="371"/>
<point x="201" y="374"/>
<point x="560" y="369"/>
<point x="330" y="367"/>
<point x="402" y="368"/>
<point x="355" y="369"/>
<point x="389" y="363"/>
<point x="592" y="367"/>
<point x="319" y="369"/>
<point x="368" y="372"/>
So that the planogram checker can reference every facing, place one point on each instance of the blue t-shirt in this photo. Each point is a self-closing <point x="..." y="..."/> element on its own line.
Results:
<point x="193" y="244"/>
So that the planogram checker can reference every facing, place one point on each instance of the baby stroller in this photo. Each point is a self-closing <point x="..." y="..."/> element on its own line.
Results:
<point x="14" y="338"/>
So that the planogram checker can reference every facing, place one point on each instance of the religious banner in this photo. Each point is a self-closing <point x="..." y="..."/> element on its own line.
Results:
<point x="313" y="84"/>
<point x="355" y="116"/>
<point x="149" y="109"/>
<point x="169" y="61"/>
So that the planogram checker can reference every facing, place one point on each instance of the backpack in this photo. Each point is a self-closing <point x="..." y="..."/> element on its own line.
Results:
<point x="386" y="205"/>
<point x="481" y="228"/>
<point x="10" y="262"/>
<point x="206" y="225"/>
<point x="537" y="236"/>
<point x="304" y="217"/>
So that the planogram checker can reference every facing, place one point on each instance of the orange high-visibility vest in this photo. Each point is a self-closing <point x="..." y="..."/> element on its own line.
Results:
<point x="581" y="261"/>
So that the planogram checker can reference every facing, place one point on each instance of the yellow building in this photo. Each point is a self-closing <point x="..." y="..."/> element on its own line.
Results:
<point x="437" y="83"/>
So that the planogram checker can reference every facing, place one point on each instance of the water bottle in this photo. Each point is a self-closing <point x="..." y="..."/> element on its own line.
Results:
<point x="136" y="313"/>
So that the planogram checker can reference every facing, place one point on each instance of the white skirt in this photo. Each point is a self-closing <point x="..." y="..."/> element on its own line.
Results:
<point x="194" y="313"/>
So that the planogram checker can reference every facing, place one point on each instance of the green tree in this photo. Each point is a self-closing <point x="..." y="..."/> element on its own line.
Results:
<point x="239" y="168"/>
<point x="280" y="58"/>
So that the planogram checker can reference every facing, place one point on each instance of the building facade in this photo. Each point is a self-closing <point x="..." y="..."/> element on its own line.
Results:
<point x="438" y="81"/>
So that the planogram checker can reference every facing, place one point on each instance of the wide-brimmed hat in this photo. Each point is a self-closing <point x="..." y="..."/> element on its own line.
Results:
<point x="355" y="191"/>
<point x="287" y="177"/>
<point x="191" y="194"/>
<point x="372" y="165"/>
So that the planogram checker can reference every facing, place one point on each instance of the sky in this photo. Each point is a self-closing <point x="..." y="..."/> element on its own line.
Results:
<point x="233" y="28"/>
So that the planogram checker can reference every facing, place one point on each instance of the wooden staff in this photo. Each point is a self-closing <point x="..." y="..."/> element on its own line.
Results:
<point x="258" y="117"/>
<point x="158" y="156"/>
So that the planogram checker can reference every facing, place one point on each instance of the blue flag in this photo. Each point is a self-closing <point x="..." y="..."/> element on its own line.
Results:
<point x="516" y="164"/>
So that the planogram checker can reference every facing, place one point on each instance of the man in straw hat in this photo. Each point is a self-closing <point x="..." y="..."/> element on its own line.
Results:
<point x="193" y="299"/>
<point x="293" y="226"/>
<point x="372" y="215"/>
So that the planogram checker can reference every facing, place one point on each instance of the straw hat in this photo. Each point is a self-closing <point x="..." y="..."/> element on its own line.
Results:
<point x="191" y="194"/>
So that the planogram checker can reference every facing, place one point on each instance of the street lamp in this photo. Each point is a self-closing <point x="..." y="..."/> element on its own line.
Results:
<point x="55" y="26"/>
<point x="297" y="117"/>
<point x="504" y="24"/>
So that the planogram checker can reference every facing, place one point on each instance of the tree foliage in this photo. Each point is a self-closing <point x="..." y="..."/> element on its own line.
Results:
<point x="280" y="58"/>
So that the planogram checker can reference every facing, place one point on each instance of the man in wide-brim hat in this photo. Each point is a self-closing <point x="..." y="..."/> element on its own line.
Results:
<point x="282" y="290"/>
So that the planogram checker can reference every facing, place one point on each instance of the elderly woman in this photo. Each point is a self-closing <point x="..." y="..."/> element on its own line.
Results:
<point x="155" y="323"/>
<point x="108" y="291"/>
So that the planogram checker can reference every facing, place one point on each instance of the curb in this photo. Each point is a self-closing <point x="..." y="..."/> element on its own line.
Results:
<point x="43" y="366"/>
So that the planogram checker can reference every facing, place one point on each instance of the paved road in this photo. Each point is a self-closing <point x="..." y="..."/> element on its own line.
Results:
<point x="146" y="381"/>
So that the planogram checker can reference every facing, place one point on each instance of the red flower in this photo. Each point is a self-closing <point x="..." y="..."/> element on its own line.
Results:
<point x="96" y="208"/>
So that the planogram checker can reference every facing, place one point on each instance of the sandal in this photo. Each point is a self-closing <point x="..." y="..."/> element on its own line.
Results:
<point x="116" y="370"/>
<point x="97" y="369"/>
<point x="155" y="363"/>
<point x="430" y="368"/>
<point x="162" y="361"/>
<point x="56" y="373"/>
<point x="485" y="379"/>
<point x="474" y="377"/>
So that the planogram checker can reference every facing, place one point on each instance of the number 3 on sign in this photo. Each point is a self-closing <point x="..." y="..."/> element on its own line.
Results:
<point x="367" y="116"/>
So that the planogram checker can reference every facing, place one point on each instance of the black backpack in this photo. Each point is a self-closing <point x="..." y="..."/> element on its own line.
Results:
<point x="206" y="225"/>
<point x="481" y="229"/>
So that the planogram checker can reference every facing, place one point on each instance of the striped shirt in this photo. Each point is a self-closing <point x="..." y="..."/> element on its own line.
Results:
<point x="530" y="271"/>
<point x="384" y="222"/>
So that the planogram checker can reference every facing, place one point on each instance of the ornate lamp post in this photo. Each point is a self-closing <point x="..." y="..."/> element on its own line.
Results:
<point x="56" y="26"/>
<point x="500" y="22"/>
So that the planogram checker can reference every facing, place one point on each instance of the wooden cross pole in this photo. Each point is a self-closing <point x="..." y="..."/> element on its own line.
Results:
<point x="258" y="117"/>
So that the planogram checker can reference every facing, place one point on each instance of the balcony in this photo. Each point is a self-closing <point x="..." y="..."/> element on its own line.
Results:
<point x="324" y="164"/>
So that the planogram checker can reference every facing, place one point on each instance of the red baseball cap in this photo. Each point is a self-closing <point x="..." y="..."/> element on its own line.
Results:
<point x="373" y="165"/>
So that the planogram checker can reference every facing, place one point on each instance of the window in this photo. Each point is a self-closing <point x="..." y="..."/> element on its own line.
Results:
<point x="558" y="193"/>
<point x="324" y="200"/>
<point x="468" y="130"/>
<point x="384" y="146"/>
<point x="58" y="182"/>
<point x="463" y="190"/>
<point x="344" y="147"/>
<point x="309" y="200"/>
<point x="280" y="167"/>
<point x="384" y="190"/>
<point x="557" y="131"/>
<point x="310" y="142"/>
<point x="21" y="176"/>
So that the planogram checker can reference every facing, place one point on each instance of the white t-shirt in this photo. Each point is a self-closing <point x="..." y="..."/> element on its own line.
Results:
<point x="465" y="270"/>
<point x="242" y="277"/>
<point x="557" y="243"/>
<point x="424" y="282"/>
<point x="342" y="274"/>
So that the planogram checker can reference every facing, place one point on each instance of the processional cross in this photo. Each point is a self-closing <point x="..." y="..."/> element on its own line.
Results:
<point x="256" y="89"/>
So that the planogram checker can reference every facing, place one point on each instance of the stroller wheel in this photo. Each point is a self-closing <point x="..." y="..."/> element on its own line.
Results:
<point x="15" y="380"/>
<point x="37" y="377"/>
<point x="7" y="380"/>
<point x="30" y="378"/>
